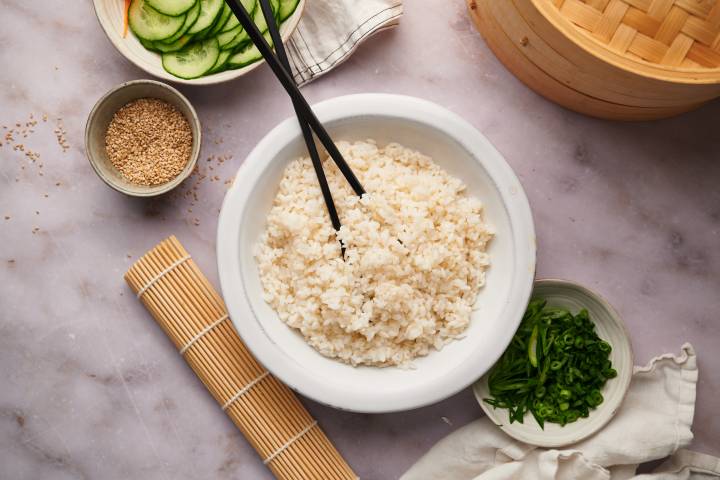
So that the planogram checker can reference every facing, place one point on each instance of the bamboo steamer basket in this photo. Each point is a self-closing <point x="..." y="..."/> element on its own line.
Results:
<point x="615" y="59"/>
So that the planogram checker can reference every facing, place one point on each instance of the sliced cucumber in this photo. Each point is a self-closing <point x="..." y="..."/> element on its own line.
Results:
<point x="231" y="23"/>
<point x="149" y="24"/>
<point x="222" y="19"/>
<point x="226" y="37"/>
<point x="209" y="10"/>
<point x="193" y="61"/>
<point x="171" y="7"/>
<point x="190" y="17"/>
<point x="240" y="39"/>
<point x="207" y="32"/>
<point x="259" y="20"/>
<point x="204" y="37"/>
<point x="250" y="6"/>
<point x="221" y="61"/>
<point x="178" y="44"/>
<point x="287" y="8"/>
<point x="248" y="55"/>
<point x="148" y="44"/>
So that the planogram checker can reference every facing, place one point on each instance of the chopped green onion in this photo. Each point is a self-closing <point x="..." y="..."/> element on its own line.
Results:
<point x="554" y="368"/>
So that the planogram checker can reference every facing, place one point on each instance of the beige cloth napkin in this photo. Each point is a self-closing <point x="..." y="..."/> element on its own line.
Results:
<point x="330" y="31"/>
<point x="654" y="422"/>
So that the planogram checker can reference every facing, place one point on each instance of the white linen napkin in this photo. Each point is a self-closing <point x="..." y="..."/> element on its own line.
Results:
<point x="653" y="422"/>
<point x="330" y="30"/>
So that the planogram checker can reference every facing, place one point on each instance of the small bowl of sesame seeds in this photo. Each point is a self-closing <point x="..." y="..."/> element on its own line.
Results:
<point x="143" y="138"/>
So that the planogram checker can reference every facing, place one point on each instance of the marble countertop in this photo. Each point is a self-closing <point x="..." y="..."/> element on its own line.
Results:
<point x="91" y="388"/>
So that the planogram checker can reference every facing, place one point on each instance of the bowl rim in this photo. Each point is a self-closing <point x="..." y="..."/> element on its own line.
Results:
<point x="212" y="79"/>
<point x="617" y="319"/>
<point x="194" y="154"/>
<point x="410" y="109"/>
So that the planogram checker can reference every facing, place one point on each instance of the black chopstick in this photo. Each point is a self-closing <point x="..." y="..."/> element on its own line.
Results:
<point x="298" y="100"/>
<point x="307" y="133"/>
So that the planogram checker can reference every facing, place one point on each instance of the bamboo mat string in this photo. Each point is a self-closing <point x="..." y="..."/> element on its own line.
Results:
<point x="191" y="313"/>
<point x="289" y="442"/>
<point x="160" y="275"/>
<point x="243" y="390"/>
<point x="203" y="332"/>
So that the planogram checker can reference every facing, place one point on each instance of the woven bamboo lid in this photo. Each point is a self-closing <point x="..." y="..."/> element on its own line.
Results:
<point x="676" y="40"/>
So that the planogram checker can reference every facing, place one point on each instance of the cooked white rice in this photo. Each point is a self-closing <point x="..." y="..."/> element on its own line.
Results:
<point x="415" y="256"/>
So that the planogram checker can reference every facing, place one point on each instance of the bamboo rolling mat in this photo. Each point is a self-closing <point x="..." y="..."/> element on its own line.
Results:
<point x="189" y="310"/>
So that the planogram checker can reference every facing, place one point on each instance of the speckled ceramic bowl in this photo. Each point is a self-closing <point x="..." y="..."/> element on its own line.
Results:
<point x="610" y="327"/>
<point x="100" y="117"/>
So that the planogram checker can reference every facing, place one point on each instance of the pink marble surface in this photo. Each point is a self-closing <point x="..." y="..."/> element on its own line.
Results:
<point x="91" y="388"/>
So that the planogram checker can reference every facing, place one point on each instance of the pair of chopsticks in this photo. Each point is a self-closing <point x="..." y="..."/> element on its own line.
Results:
<point x="306" y="117"/>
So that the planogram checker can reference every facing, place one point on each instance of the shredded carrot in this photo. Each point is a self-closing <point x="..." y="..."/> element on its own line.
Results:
<point x="125" y="17"/>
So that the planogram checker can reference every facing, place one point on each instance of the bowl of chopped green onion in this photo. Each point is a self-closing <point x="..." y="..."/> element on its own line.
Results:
<point x="566" y="370"/>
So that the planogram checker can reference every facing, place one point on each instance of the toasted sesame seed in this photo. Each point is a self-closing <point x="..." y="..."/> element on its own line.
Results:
<point x="149" y="141"/>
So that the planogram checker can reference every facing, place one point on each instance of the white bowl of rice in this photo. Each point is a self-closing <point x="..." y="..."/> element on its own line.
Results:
<point x="439" y="256"/>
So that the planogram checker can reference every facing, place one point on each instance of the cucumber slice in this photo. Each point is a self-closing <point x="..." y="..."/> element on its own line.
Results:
<point x="193" y="61"/>
<point x="239" y="41"/>
<point x="250" y="6"/>
<point x="148" y="44"/>
<point x="190" y="17"/>
<point x="149" y="24"/>
<point x="287" y="8"/>
<point x="259" y="20"/>
<point x="221" y="61"/>
<point x="226" y="37"/>
<point x="275" y="7"/>
<point x="248" y="55"/>
<point x="243" y="38"/>
<point x="171" y="7"/>
<point x="209" y="10"/>
<point x="222" y="19"/>
<point x="208" y="32"/>
<point x="178" y="44"/>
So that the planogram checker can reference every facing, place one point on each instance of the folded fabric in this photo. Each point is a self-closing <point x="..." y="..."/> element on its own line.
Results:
<point x="654" y="422"/>
<point x="330" y="30"/>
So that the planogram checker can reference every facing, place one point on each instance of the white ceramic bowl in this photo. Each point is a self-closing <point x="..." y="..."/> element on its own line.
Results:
<point x="110" y="15"/>
<point x="610" y="327"/>
<point x="456" y="146"/>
